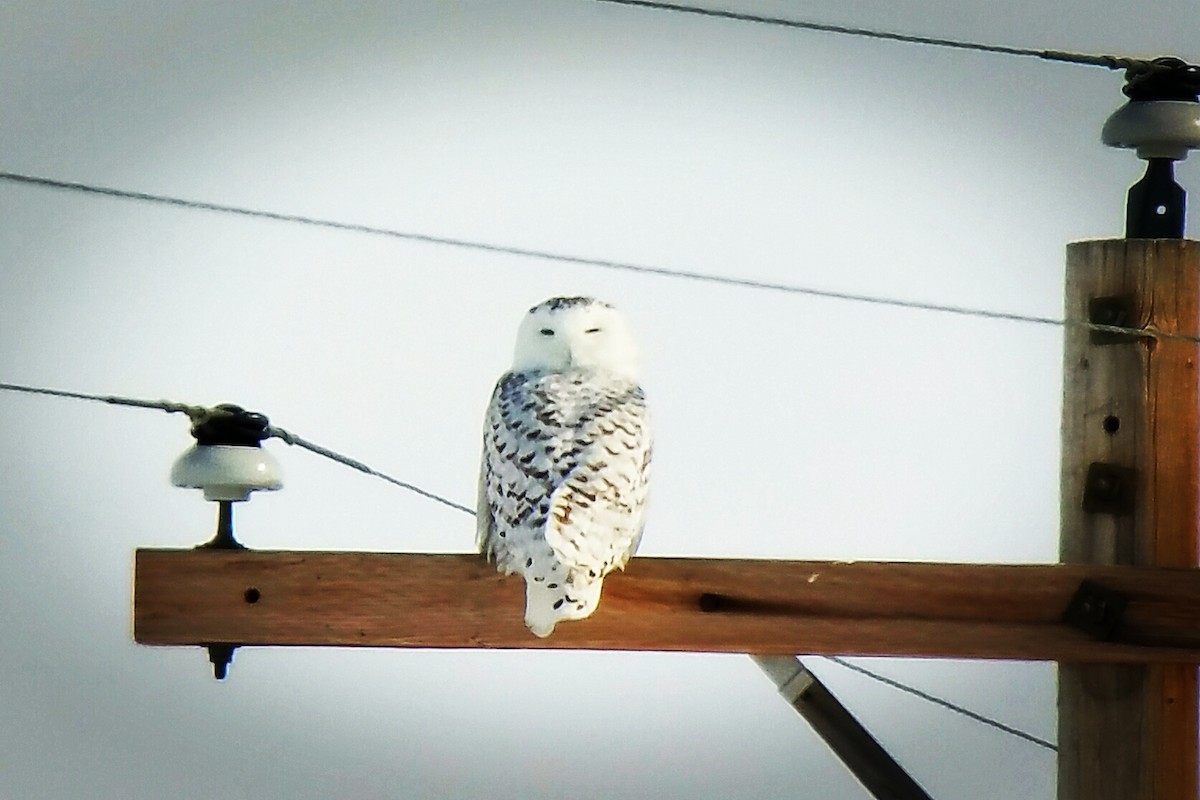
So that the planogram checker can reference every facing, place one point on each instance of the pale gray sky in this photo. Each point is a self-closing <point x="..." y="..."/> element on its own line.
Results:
<point x="789" y="427"/>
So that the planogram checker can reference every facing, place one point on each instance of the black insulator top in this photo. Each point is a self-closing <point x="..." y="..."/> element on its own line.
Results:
<point x="228" y="424"/>
<point x="1167" y="78"/>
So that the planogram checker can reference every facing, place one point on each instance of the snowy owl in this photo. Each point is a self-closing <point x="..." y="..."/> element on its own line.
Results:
<point x="566" y="457"/>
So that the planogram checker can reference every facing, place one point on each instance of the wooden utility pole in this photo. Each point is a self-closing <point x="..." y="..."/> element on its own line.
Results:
<point x="1130" y="495"/>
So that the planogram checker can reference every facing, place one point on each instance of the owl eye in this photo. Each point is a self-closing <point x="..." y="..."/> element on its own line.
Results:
<point x="546" y="332"/>
<point x="592" y="330"/>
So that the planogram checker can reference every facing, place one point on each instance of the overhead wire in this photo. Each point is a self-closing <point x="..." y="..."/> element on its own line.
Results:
<point x="600" y="263"/>
<point x="931" y="698"/>
<point x="1061" y="56"/>
<point x="1109" y="62"/>
<point x="198" y="413"/>
<point x="194" y="412"/>
<point x="290" y="438"/>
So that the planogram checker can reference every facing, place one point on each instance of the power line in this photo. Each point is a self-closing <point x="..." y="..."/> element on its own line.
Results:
<point x="293" y="439"/>
<point x="1087" y="59"/>
<point x="198" y="413"/>
<point x="193" y="412"/>
<point x="966" y="712"/>
<point x="725" y="280"/>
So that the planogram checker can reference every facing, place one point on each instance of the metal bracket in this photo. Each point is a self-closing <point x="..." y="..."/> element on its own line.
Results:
<point x="1115" y="311"/>
<point x="1156" y="206"/>
<point x="224" y="538"/>
<point x="1109" y="489"/>
<point x="1096" y="610"/>
<point x="220" y="656"/>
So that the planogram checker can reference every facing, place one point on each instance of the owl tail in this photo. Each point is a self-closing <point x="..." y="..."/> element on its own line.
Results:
<point x="544" y="607"/>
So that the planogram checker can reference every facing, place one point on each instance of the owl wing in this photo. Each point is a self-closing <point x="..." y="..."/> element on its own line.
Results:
<point x="490" y="488"/>
<point x="597" y="511"/>
<point x="485" y="521"/>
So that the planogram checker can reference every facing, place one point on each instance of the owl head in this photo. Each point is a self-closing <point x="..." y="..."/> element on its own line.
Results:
<point x="575" y="332"/>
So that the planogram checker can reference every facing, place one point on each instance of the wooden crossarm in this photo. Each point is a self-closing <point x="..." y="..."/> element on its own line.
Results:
<point x="187" y="597"/>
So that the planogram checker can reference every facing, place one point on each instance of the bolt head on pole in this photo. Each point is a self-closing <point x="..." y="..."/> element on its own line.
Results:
<point x="227" y="472"/>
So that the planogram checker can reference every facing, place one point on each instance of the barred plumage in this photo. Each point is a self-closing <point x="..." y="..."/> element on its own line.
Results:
<point x="566" y="456"/>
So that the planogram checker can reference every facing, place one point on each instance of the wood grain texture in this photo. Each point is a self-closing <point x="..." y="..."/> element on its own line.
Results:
<point x="1131" y="732"/>
<point x="669" y="604"/>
